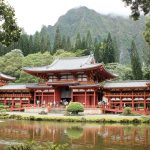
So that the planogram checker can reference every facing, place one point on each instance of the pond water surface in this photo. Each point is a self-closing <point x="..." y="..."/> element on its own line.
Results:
<point x="79" y="136"/>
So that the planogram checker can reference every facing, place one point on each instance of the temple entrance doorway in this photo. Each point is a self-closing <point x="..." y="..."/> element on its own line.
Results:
<point x="65" y="95"/>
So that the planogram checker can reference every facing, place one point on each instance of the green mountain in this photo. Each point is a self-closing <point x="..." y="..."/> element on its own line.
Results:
<point x="80" y="20"/>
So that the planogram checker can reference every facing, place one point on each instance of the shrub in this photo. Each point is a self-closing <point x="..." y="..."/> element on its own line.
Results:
<point x="135" y="120"/>
<point x="1" y="106"/>
<point x="75" y="107"/>
<point x="127" y="111"/>
<point x="124" y="121"/>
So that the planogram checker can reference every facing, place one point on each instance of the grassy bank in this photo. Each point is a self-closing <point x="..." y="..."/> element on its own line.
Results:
<point x="97" y="119"/>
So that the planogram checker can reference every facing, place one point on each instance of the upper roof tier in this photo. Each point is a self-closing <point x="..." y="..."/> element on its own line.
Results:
<point x="71" y="64"/>
<point x="6" y="77"/>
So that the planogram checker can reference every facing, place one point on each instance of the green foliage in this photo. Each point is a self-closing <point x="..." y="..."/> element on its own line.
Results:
<point x="9" y="31"/>
<point x="98" y="119"/>
<point x="56" y="147"/>
<point x="137" y="6"/>
<point x="135" y="63"/>
<point x="37" y="59"/>
<point x="61" y="53"/>
<point x="105" y="51"/>
<point x="110" y="49"/>
<point x="11" y="63"/>
<point x="37" y="146"/>
<point x="127" y="111"/>
<point x="75" y="107"/>
<point x="3" y="108"/>
<point x="20" y="147"/>
<point x="146" y="73"/>
<point x="89" y="42"/>
<point x="147" y="31"/>
<point x="124" y="72"/>
<point x="68" y="44"/>
<point x="57" y="41"/>
<point x="78" y="43"/>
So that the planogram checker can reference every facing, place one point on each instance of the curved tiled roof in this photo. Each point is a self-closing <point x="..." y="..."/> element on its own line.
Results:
<point x="13" y="87"/>
<point x="6" y="77"/>
<point x="127" y="84"/>
<point x="70" y="63"/>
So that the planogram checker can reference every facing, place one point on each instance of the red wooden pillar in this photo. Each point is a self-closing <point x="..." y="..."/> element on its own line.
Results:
<point x="144" y="102"/>
<point x="109" y="102"/>
<point x="42" y="98"/>
<point x="20" y="102"/>
<point x="121" y="100"/>
<point x="4" y="101"/>
<point x="28" y="102"/>
<point x="12" y="105"/>
<point x="132" y="101"/>
<point x="54" y="101"/>
<point x="72" y="95"/>
<point x="94" y="98"/>
<point x="85" y="97"/>
<point x="34" y="98"/>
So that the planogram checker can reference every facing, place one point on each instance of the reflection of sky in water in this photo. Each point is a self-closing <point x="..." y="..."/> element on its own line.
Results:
<point x="78" y="136"/>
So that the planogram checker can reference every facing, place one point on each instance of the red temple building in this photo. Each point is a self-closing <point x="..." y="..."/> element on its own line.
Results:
<point x="134" y="94"/>
<point x="75" y="79"/>
<point x="70" y="79"/>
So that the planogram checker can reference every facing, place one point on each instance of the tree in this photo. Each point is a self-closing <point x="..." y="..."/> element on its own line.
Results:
<point x="78" y="42"/>
<point x="69" y="46"/>
<point x="31" y="46"/>
<point x="57" y="41"/>
<point x="64" y="43"/>
<point x="97" y="54"/>
<point x="137" y="6"/>
<point x="110" y="49"/>
<point x="23" y="44"/>
<point x="147" y="31"/>
<point x="116" y="50"/>
<point x="45" y="44"/>
<point x="9" y="31"/>
<point x="135" y="63"/>
<point x="89" y="41"/>
<point x="83" y="43"/>
<point x="37" y="42"/>
<point x="61" y="53"/>
<point x="12" y="63"/>
<point x="37" y="59"/>
<point x="105" y="51"/>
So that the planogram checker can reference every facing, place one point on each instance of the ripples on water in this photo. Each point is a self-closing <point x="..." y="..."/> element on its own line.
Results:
<point x="78" y="136"/>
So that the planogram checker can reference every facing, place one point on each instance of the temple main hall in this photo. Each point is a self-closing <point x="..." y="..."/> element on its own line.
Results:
<point x="76" y="79"/>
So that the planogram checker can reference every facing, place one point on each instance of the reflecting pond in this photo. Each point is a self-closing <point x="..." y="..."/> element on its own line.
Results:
<point x="79" y="136"/>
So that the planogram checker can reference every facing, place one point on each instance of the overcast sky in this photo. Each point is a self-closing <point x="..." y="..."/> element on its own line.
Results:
<point x="32" y="14"/>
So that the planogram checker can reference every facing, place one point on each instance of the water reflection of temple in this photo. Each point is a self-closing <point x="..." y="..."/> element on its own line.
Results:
<point x="91" y="135"/>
